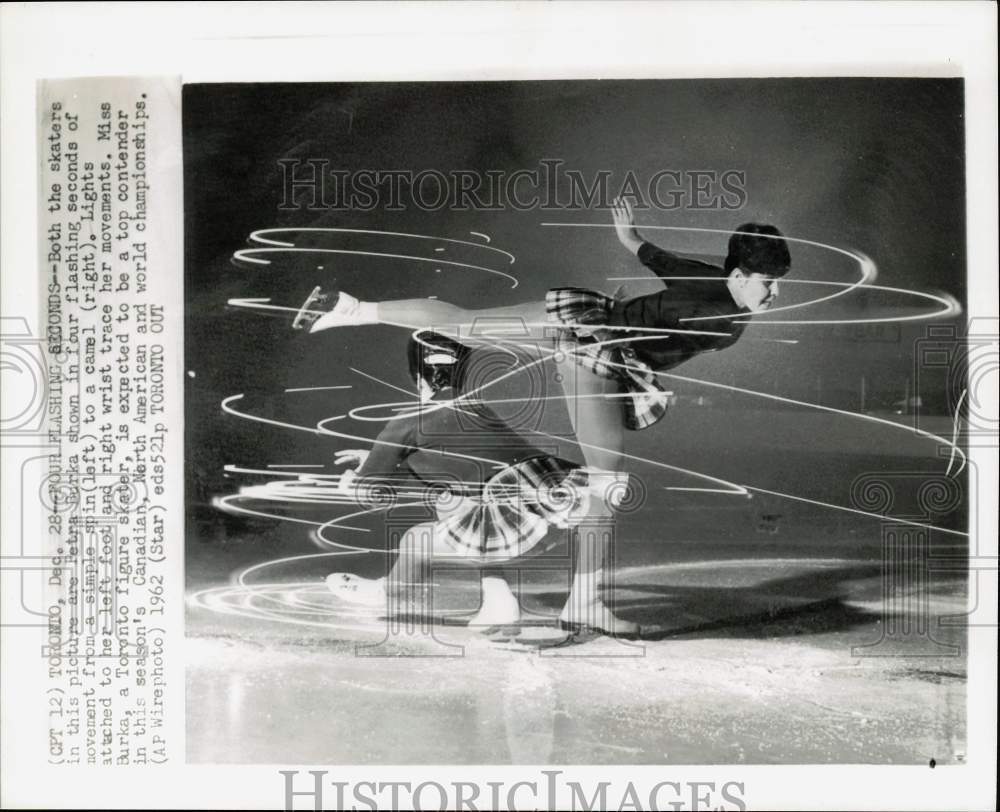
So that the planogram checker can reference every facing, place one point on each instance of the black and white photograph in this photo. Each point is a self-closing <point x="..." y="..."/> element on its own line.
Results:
<point x="499" y="405"/>
<point x="576" y="422"/>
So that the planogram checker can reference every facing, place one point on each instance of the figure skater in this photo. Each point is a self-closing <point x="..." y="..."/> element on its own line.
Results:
<point x="609" y="348"/>
<point x="496" y="495"/>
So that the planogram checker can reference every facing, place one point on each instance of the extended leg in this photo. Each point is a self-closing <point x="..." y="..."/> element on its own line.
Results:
<point x="527" y="319"/>
<point x="407" y="586"/>
<point x="406" y="583"/>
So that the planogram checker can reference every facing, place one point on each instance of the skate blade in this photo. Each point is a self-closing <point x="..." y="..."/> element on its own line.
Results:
<point x="305" y="316"/>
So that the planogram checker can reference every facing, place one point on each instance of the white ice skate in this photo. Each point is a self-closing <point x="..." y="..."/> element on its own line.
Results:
<point x="358" y="590"/>
<point x="346" y="311"/>
<point x="312" y="308"/>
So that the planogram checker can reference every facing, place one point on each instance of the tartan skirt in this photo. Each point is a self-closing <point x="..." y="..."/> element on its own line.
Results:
<point x="516" y="508"/>
<point x="577" y="309"/>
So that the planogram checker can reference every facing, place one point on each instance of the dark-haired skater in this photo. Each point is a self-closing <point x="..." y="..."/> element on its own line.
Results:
<point x="496" y="496"/>
<point x="613" y="346"/>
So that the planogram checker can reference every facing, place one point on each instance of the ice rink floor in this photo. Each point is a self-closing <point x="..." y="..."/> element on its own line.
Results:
<point x="765" y="652"/>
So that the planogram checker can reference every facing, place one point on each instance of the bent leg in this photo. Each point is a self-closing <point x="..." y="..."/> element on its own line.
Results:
<point x="404" y="585"/>
<point x="498" y="606"/>
<point x="409" y="581"/>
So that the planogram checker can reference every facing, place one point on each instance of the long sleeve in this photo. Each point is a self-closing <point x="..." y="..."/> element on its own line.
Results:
<point x="394" y="443"/>
<point x="665" y="309"/>
<point x="669" y="266"/>
<point x="702" y="312"/>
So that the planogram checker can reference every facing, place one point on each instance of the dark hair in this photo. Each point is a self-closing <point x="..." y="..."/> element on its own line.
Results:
<point x="420" y="352"/>
<point x="757" y="248"/>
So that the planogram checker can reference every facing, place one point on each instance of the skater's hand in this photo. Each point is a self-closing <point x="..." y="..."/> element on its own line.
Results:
<point x="621" y="213"/>
<point x="620" y="294"/>
<point x="347" y="480"/>
<point x="352" y="456"/>
<point x="624" y="220"/>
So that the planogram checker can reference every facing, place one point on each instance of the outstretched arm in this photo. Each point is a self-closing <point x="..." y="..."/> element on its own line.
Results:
<point x="624" y="219"/>
<point x="381" y="462"/>
<point x="394" y="443"/>
<point x="664" y="264"/>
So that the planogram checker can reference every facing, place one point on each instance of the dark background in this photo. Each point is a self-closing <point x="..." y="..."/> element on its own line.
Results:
<point x="872" y="164"/>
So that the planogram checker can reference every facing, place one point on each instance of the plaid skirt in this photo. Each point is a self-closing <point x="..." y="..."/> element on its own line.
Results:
<point x="517" y="507"/>
<point x="577" y="307"/>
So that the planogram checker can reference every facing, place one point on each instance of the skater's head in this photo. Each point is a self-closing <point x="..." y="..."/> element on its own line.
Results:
<point x="437" y="362"/>
<point x="758" y="257"/>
